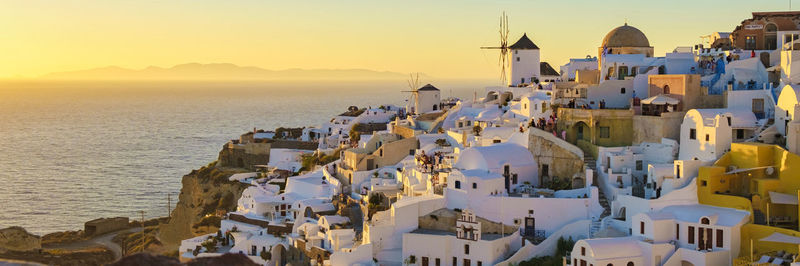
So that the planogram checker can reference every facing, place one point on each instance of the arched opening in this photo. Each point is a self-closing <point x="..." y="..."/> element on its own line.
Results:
<point x="666" y="89"/>
<point x="630" y="263"/>
<point x="770" y="37"/>
<point x="279" y="255"/>
<point x="458" y="184"/>
<point x="704" y="220"/>
<point x="435" y="107"/>
<point x="662" y="70"/>
<point x="581" y="131"/>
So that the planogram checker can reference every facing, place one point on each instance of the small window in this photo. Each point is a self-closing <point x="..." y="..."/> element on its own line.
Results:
<point x="719" y="238"/>
<point x="639" y="165"/>
<point x="739" y="133"/>
<point x="704" y="221"/>
<point x="641" y="228"/>
<point x="690" y="236"/>
<point x="729" y="120"/>
<point x="708" y="137"/>
<point x="622" y="91"/>
<point x="704" y="183"/>
<point x="438" y="262"/>
<point x="496" y="141"/>
<point x="630" y="263"/>
<point x="455" y="261"/>
<point x="583" y="251"/>
<point x="666" y="89"/>
<point x="458" y="184"/>
<point x="517" y="58"/>
<point x="692" y="133"/>
<point x="466" y="249"/>
<point x="677" y="231"/>
<point x="474" y="185"/>
<point x="605" y="132"/>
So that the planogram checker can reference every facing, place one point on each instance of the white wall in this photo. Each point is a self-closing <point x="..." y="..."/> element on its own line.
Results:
<point x="526" y="67"/>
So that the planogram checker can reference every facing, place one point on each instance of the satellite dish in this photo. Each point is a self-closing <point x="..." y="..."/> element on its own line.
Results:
<point x="770" y="170"/>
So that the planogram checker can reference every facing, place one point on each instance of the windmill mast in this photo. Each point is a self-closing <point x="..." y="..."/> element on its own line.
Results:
<point x="503" y="47"/>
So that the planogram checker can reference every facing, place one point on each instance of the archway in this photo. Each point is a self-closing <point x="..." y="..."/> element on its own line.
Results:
<point x="278" y="255"/>
<point x="581" y="131"/>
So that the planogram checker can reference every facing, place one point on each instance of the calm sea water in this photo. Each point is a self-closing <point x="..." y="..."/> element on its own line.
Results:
<point x="75" y="151"/>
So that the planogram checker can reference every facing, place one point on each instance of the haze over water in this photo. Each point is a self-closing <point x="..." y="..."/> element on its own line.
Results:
<point x="75" y="151"/>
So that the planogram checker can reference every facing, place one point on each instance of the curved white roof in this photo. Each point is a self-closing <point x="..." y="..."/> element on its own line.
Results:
<point x="489" y="114"/>
<point x="742" y="118"/>
<point x="502" y="132"/>
<point x="495" y="156"/>
<point x="617" y="247"/>
<point x="717" y="215"/>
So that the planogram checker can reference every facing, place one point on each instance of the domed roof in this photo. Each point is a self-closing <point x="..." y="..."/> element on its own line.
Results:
<point x="625" y="36"/>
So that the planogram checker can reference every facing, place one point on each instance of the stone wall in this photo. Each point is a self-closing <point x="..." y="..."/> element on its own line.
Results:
<point x="445" y="220"/>
<point x="244" y="155"/>
<point x="653" y="128"/>
<point x="563" y="159"/>
<point x="105" y="225"/>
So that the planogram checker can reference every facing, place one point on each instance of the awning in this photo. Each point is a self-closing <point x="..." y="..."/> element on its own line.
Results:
<point x="782" y="238"/>
<point x="660" y="99"/>
<point x="781" y="198"/>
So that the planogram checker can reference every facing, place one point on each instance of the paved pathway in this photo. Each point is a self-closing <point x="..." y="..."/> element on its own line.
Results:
<point x="101" y="240"/>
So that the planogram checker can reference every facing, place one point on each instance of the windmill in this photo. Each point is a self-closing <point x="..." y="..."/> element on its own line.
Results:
<point x="413" y="85"/>
<point x="503" y="47"/>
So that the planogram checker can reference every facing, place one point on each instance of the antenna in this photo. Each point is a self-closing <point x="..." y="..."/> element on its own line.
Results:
<point x="503" y="47"/>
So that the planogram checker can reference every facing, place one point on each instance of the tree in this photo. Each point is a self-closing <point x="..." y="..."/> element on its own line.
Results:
<point x="477" y="130"/>
<point x="265" y="255"/>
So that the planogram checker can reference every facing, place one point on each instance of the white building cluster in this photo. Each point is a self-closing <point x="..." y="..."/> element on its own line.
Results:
<point x="605" y="154"/>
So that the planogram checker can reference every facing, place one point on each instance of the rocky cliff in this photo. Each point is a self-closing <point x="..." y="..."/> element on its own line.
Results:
<point x="18" y="239"/>
<point x="205" y="192"/>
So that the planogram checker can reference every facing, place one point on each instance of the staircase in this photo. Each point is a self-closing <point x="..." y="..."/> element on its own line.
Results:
<point x="597" y="224"/>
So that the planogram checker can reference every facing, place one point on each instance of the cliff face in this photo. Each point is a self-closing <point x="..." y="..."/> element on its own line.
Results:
<point x="18" y="239"/>
<point x="205" y="191"/>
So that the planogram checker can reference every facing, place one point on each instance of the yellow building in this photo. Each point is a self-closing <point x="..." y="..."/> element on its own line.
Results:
<point x="765" y="180"/>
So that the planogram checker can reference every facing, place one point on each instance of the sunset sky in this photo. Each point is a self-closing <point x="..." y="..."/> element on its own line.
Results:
<point x="439" y="38"/>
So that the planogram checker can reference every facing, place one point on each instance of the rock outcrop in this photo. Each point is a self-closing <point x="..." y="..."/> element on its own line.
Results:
<point x="16" y="238"/>
<point x="445" y="220"/>
<point x="205" y="191"/>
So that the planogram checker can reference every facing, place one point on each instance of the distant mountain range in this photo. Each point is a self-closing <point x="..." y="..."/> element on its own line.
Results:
<point x="219" y="71"/>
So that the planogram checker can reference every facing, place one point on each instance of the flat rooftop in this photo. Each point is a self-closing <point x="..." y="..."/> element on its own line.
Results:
<point x="486" y="237"/>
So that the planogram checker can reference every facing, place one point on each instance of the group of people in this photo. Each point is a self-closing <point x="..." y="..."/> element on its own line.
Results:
<point x="428" y="161"/>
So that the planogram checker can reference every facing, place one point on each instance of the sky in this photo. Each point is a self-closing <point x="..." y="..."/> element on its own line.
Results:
<point x="439" y="38"/>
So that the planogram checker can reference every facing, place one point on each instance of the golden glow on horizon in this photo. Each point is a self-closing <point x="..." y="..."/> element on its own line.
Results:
<point x="438" y="38"/>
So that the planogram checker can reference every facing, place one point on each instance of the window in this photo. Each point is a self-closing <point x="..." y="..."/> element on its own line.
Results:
<point x="605" y="132"/>
<point x="622" y="91"/>
<point x="623" y="72"/>
<point x="411" y="152"/>
<point x="729" y="121"/>
<point x="692" y="133"/>
<point x="455" y="261"/>
<point x="641" y="228"/>
<point x="690" y="236"/>
<point x="707" y="137"/>
<point x="425" y="261"/>
<point x="639" y="165"/>
<point x="467" y="262"/>
<point x="525" y="106"/>
<point x="750" y="42"/>
<point x="466" y="249"/>
<point x="630" y="263"/>
<point x="438" y="262"/>
<point x="474" y="185"/>
<point x="381" y="153"/>
<point x="677" y="231"/>
<point x="666" y="89"/>
<point x="704" y="183"/>
<point x="719" y="238"/>
<point x="517" y="58"/>
<point x="496" y="141"/>
<point x="739" y="133"/>
<point x="546" y="170"/>
<point x="544" y="107"/>
<point x="704" y="221"/>
<point x="480" y="263"/>
<point x="458" y="184"/>
<point x="583" y="251"/>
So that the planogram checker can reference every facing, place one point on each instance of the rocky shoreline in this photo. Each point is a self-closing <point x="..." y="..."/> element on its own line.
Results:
<point x="205" y="193"/>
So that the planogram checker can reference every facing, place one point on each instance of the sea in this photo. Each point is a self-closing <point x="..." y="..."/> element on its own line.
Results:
<point x="72" y="151"/>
